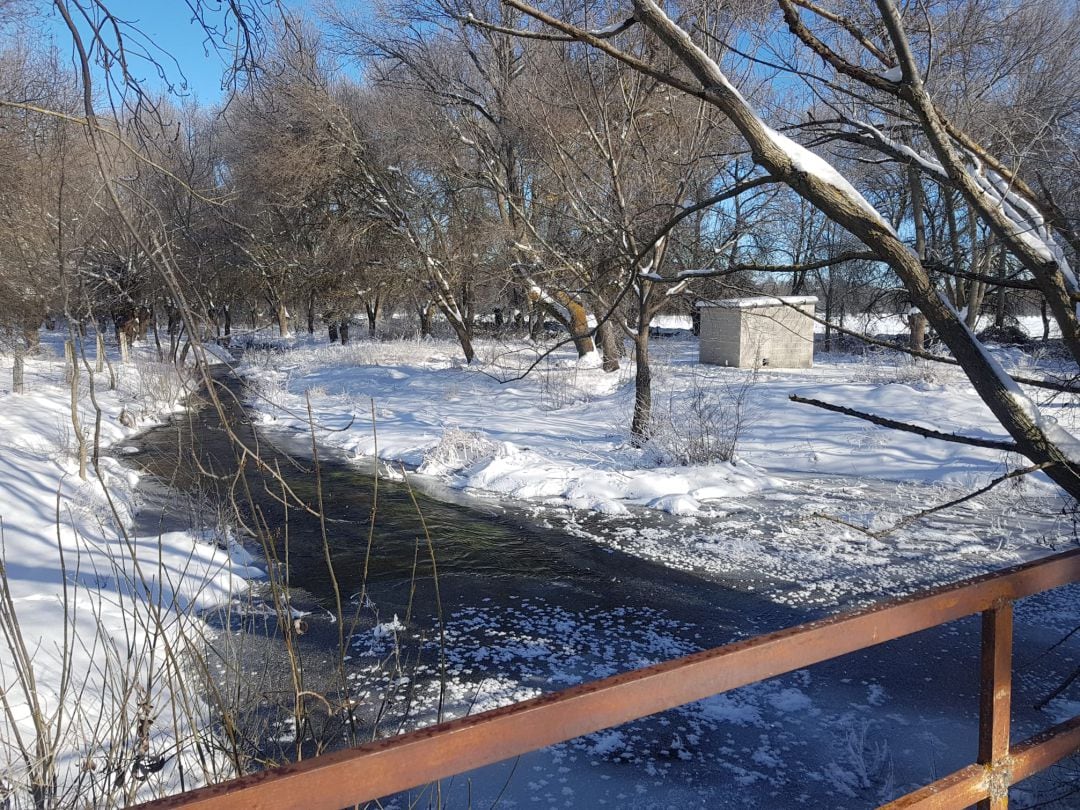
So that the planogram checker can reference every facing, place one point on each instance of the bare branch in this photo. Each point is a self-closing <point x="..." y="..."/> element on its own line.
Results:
<point x="892" y="424"/>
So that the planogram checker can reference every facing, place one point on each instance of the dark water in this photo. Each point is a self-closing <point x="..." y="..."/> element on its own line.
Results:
<point x="480" y="551"/>
<point x="532" y="609"/>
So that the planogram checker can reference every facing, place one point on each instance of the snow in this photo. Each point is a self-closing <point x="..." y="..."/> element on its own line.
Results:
<point x="893" y="74"/>
<point x="805" y="161"/>
<point x="558" y="437"/>
<point x="554" y="443"/>
<point x="760" y="301"/>
<point x="88" y="593"/>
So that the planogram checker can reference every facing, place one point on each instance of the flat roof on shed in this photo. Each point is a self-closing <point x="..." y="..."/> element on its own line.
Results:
<point x="759" y="301"/>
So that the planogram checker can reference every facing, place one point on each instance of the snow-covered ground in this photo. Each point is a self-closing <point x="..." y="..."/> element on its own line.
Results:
<point x="808" y="500"/>
<point x="96" y="618"/>
<point x="779" y="525"/>
<point x="560" y="434"/>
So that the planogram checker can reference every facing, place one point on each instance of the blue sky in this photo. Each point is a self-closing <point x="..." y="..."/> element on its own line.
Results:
<point x="166" y="31"/>
<point x="168" y="24"/>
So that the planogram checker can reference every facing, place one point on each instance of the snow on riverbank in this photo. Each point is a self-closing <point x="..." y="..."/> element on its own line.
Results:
<point x="96" y="618"/>
<point x="796" y="508"/>
<point x="559" y="435"/>
<point x="557" y="440"/>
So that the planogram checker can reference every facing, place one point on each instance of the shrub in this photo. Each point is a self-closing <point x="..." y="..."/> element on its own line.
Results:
<point x="456" y="450"/>
<point x="703" y="424"/>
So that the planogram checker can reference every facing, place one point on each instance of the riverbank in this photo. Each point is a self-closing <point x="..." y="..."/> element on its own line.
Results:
<point x="808" y="499"/>
<point x="849" y="733"/>
<point x="98" y="616"/>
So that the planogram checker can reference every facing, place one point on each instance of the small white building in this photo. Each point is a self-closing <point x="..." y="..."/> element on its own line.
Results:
<point x="768" y="331"/>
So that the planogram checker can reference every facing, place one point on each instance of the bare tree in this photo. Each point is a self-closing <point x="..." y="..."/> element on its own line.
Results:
<point x="1017" y="215"/>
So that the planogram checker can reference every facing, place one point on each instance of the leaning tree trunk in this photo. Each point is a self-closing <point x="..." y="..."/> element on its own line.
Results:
<point x="567" y="310"/>
<point x="465" y="339"/>
<point x="786" y="161"/>
<point x="579" y="328"/>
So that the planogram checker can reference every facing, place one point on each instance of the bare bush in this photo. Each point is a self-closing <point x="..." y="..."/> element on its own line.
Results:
<point x="456" y="450"/>
<point x="561" y="386"/>
<point x="703" y="424"/>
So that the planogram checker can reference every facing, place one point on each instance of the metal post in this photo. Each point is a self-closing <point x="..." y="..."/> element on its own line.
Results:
<point x="995" y="702"/>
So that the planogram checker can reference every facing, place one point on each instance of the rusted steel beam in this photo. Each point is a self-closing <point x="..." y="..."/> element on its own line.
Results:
<point x="1041" y="751"/>
<point x="995" y="703"/>
<point x="961" y="788"/>
<point x="969" y="785"/>
<point x="388" y="766"/>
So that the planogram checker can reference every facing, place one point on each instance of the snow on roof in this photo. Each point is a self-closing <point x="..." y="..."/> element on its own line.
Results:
<point x="760" y="301"/>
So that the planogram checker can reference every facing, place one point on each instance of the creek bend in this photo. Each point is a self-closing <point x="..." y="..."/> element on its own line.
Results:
<point x="528" y="609"/>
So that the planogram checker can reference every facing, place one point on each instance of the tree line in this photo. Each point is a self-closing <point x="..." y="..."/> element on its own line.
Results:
<point x="488" y="165"/>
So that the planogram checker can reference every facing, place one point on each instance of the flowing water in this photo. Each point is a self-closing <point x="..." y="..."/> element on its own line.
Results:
<point x="526" y="609"/>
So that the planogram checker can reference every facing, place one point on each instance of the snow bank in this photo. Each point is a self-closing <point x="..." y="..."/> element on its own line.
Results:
<point x="103" y="614"/>
<point x="559" y="435"/>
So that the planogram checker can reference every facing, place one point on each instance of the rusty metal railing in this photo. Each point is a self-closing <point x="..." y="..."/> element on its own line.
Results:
<point x="378" y="769"/>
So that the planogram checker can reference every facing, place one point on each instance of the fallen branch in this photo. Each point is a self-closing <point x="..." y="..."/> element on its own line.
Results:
<point x="957" y="501"/>
<point x="991" y="444"/>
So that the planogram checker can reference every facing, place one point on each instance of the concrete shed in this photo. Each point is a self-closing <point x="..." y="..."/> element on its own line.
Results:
<point x="769" y="331"/>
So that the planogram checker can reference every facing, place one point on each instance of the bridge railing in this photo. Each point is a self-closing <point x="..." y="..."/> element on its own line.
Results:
<point x="378" y="769"/>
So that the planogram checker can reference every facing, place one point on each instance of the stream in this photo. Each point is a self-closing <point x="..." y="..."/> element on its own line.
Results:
<point x="529" y="607"/>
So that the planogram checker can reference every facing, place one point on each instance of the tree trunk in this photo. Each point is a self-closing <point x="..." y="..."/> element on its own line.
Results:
<point x="579" y="328"/>
<point x="970" y="302"/>
<point x="332" y="331"/>
<point x="157" y="341"/>
<point x="465" y="339"/>
<point x="567" y="310"/>
<point x="640" y="426"/>
<point x="283" y="319"/>
<point x="999" y="299"/>
<point x="33" y="339"/>
<point x="100" y="350"/>
<point x="425" y="312"/>
<point x="76" y="424"/>
<point x="916" y="320"/>
<point x="124" y="354"/>
<point x="18" y="374"/>
<point x="917" y="324"/>
<point x="311" y="314"/>
<point x="143" y="315"/>
<point x="69" y="362"/>
<point x="828" y="320"/>
<point x="610" y="345"/>
<point x="343" y="332"/>
<point x="372" y="311"/>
